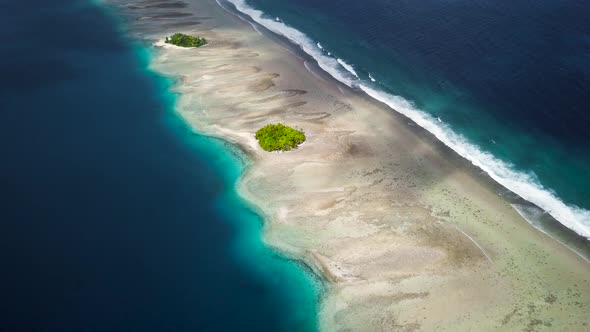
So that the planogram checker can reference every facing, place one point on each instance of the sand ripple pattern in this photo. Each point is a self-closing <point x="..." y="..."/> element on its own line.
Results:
<point x="407" y="235"/>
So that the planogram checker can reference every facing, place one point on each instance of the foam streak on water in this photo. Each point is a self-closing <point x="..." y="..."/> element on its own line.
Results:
<point x="348" y="67"/>
<point x="525" y="185"/>
<point x="327" y="63"/>
<point x="521" y="183"/>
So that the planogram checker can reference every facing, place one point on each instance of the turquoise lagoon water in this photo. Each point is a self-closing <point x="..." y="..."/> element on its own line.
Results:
<point x="116" y="216"/>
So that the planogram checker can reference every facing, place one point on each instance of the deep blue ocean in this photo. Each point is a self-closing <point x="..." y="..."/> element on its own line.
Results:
<point x="506" y="84"/>
<point x="114" y="215"/>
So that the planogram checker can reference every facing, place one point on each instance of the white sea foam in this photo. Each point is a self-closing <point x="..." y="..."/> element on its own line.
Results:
<point x="328" y="64"/>
<point x="371" y="78"/>
<point x="523" y="184"/>
<point x="320" y="46"/>
<point x="348" y="67"/>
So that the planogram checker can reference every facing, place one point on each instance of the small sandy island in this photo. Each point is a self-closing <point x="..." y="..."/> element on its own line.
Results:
<point x="409" y="235"/>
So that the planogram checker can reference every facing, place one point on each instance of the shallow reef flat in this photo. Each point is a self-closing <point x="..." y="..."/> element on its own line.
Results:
<point x="408" y="235"/>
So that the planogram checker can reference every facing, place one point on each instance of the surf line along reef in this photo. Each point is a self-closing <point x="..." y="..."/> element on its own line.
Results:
<point x="405" y="233"/>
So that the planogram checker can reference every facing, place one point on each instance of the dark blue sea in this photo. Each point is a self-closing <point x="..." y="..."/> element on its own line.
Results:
<point x="506" y="84"/>
<point x="114" y="215"/>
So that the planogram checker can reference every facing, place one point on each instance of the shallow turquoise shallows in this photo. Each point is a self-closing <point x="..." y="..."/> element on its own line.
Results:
<point x="116" y="216"/>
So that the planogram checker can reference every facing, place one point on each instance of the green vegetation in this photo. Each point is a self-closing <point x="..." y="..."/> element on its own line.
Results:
<point x="180" y="39"/>
<point x="279" y="137"/>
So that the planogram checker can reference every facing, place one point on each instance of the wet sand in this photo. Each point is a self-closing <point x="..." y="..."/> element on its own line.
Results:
<point x="408" y="235"/>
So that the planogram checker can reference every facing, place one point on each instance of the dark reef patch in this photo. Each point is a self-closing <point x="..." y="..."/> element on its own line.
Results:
<point x="168" y="15"/>
<point x="158" y="4"/>
<point x="180" y="24"/>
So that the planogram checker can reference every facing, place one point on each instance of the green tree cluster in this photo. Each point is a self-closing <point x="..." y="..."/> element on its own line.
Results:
<point x="279" y="137"/>
<point x="180" y="39"/>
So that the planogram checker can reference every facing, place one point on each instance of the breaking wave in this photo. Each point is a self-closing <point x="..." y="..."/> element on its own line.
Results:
<point x="523" y="184"/>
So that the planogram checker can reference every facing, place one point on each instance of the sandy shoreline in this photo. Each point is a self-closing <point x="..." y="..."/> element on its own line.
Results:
<point x="410" y="236"/>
